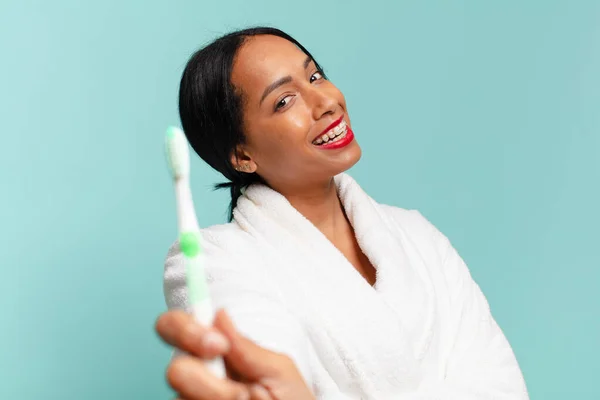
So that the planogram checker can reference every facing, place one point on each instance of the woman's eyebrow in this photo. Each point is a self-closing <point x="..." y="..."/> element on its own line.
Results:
<point x="282" y="81"/>
<point x="307" y="62"/>
<point x="275" y="85"/>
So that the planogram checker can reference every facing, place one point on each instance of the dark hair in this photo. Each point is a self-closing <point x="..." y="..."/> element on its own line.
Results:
<point x="210" y="107"/>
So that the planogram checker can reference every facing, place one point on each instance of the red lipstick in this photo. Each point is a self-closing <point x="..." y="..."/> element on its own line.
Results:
<point x="330" y="127"/>
<point x="346" y="140"/>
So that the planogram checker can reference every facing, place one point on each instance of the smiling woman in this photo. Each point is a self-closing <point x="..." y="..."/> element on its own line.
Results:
<point x="275" y="107"/>
<point x="331" y="295"/>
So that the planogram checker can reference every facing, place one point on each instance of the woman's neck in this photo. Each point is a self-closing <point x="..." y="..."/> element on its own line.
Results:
<point x="321" y="206"/>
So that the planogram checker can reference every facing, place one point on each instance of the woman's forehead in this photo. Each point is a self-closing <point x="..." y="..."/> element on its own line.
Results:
<point x="264" y="59"/>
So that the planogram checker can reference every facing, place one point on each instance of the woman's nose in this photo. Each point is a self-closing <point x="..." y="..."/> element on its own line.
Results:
<point x="323" y="103"/>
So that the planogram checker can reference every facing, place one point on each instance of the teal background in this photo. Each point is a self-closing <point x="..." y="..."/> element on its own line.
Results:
<point x="483" y="115"/>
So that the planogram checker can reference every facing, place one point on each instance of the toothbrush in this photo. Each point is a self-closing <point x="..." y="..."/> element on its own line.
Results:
<point x="178" y="158"/>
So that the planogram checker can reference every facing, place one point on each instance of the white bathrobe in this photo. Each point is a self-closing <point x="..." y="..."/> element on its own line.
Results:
<point x="424" y="331"/>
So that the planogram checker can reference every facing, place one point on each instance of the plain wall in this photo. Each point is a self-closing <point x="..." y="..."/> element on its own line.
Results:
<point x="482" y="115"/>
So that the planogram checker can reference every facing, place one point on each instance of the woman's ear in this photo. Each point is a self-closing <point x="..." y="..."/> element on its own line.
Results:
<point x="242" y="161"/>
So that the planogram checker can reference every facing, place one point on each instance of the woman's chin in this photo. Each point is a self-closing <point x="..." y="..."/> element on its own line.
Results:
<point x="349" y="157"/>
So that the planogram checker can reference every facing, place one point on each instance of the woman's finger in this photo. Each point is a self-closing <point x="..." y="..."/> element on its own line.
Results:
<point x="258" y="392"/>
<point x="245" y="357"/>
<point x="189" y="377"/>
<point x="180" y="330"/>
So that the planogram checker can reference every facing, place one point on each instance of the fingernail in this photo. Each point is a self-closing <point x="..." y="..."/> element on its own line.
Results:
<point x="215" y="341"/>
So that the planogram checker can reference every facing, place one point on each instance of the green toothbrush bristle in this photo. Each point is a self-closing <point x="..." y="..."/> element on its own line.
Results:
<point x="189" y="243"/>
<point x="176" y="151"/>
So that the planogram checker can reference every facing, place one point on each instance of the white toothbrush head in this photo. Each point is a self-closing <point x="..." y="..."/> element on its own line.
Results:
<point x="178" y="154"/>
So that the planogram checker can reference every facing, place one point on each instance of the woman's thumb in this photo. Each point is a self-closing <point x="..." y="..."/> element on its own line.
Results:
<point x="246" y="357"/>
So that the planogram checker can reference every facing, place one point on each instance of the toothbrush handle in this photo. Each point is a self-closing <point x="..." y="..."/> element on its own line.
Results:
<point x="204" y="314"/>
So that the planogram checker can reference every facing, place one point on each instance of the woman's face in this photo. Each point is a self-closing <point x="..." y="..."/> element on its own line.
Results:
<point x="297" y="128"/>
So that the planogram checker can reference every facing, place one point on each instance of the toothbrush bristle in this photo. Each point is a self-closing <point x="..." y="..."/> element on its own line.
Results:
<point x="177" y="152"/>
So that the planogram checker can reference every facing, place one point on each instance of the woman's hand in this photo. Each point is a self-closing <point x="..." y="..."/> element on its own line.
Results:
<point x="254" y="372"/>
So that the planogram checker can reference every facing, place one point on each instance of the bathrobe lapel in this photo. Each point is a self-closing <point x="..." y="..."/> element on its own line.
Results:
<point x="371" y="324"/>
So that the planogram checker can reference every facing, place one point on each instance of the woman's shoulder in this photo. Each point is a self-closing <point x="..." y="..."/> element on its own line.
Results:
<point x="411" y="220"/>
<point x="420" y="230"/>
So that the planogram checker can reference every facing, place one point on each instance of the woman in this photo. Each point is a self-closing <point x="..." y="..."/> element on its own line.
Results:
<point x="326" y="293"/>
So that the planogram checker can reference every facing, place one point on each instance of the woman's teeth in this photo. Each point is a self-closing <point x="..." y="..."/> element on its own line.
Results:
<point x="333" y="135"/>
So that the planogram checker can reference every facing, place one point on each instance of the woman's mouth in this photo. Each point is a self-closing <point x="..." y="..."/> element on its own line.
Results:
<point x="333" y="135"/>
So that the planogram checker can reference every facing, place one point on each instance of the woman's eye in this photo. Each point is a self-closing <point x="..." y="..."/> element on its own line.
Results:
<point x="316" y="76"/>
<point x="282" y="103"/>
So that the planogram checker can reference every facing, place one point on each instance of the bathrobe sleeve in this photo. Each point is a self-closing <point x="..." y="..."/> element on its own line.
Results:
<point x="481" y="364"/>
<point x="238" y="285"/>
